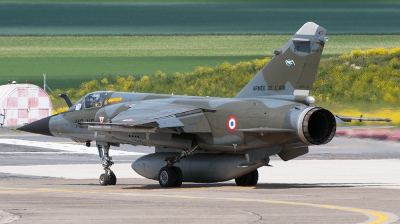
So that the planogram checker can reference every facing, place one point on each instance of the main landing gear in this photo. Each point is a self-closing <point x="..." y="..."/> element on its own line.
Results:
<point x="108" y="177"/>
<point x="249" y="179"/>
<point x="170" y="175"/>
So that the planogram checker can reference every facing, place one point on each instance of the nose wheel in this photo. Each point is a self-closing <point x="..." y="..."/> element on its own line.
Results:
<point x="108" y="177"/>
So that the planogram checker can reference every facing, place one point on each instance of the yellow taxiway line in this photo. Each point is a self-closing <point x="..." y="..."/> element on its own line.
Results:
<point x="375" y="217"/>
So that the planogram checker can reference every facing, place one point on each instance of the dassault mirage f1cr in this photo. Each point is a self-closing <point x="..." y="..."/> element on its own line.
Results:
<point x="206" y="139"/>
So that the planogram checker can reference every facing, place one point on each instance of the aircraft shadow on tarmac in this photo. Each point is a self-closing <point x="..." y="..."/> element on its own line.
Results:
<point x="259" y="186"/>
<point x="216" y="186"/>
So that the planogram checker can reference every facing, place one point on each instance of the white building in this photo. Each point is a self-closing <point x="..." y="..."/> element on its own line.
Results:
<point x="23" y="103"/>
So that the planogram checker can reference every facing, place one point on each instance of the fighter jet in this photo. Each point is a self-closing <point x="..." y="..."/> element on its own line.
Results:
<point x="209" y="139"/>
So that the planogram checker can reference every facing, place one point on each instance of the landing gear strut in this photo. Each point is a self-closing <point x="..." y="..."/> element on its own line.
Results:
<point x="108" y="177"/>
<point x="170" y="175"/>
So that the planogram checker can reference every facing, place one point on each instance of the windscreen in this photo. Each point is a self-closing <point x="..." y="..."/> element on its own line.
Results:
<point x="77" y="105"/>
<point x="93" y="100"/>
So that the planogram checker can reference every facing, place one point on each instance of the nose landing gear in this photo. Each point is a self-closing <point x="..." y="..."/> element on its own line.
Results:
<point x="108" y="177"/>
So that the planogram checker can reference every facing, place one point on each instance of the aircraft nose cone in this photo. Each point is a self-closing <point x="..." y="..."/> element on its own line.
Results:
<point x="38" y="127"/>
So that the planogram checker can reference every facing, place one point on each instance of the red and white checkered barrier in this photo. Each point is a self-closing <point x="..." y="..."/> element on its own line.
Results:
<point x="23" y="103"/>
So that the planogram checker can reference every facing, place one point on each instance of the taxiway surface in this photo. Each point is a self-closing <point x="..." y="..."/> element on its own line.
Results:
<point x="53" y="180"/>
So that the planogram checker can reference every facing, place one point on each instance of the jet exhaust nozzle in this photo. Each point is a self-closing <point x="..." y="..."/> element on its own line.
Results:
<point x="316" y="126"/>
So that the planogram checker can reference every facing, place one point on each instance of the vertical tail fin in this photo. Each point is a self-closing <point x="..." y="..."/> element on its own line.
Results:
<point x="292" y="68"/>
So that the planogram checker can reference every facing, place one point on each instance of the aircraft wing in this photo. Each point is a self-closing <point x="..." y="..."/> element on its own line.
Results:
<point x="148" y="116"/>
<point x="164" y="114"/>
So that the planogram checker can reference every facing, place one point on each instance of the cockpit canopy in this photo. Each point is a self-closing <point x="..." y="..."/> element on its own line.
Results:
<point x="91" y="100"/>
<point x="95" y="99"/>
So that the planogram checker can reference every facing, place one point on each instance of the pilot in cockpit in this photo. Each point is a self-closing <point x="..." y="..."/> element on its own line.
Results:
<point x="94" y="100"/>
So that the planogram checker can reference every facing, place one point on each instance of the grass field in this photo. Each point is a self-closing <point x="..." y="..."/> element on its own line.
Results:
<point x="189" y="18"/>
<point x="70" y="60"/>
<point x="63" y="73"/>
<point x="166" y="46"/>
<point x="193" y="1"/>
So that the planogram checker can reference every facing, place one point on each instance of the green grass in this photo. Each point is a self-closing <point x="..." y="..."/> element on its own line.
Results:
<point x="63" y="73"/>
<point x="190" y="18"/>
<point x="192" y="1"/>
<point x="167" y="46"/>
<point x="138" y="46"/>
<point x="70" y="60"/>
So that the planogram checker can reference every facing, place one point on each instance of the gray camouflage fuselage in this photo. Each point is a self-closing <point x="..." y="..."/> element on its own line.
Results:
<point x="209" y="125"/>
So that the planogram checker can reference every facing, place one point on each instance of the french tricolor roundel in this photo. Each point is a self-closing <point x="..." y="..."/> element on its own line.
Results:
<point x="231" y="123"/>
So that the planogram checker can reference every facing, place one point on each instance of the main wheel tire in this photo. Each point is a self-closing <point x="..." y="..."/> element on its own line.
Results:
<point x="104" y="179"/>
<point x="113" y="179"/>
<point x="253" y="178"/>
<point x="179" y="176"/>
<point x="167" y="177"/>
<point x="249" y="179"/>
<point x="243" y="180"/>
